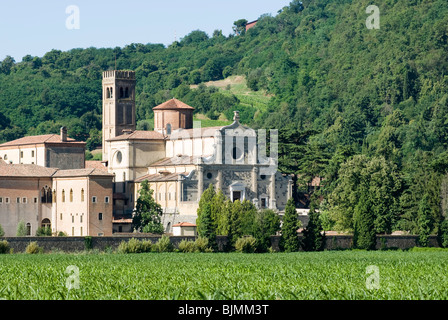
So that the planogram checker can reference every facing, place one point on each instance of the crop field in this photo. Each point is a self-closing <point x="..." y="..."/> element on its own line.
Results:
<point x="338" y="275"/>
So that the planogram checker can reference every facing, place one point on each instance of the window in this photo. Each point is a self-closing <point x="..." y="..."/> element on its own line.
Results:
<point x="73" y="219"/>
<point x="71" y="195"/>
<point x="81" y="231"/>
<point x="80" y="218"/>
<point x="7" y="200"/>
<point x="21" y="154"/>
<point x="263" y="203"/>
<point x="28" y="229"/>
<point x="35" y="200"/>
<point x="32" y="153"/>
<point x="24" y="200"/>
<point x="1" y="200"/>
<point x="18" y="200"/>
<point x="82" y="195"/>
<point x="46" y="195"/>
<point x="60" y="216"/>
<point x="121" y="93"/>
<point x="126" y="93"/>
<point x="107" y="93"/>
<point x="106" y="199"/>
<point x="209" y="175"/>
<point x="73" y="231"/>
<point x="5" y="157"/>
<point x="94" y="199"/>
<point x="63" y="195"/>
<point x="100" y="216"/>
<point x="111" y="92"/>
<point x="168" y="128"/>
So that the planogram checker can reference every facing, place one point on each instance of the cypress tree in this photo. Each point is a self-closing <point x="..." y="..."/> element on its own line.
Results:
<point x="364" y="225"/>
<point x="289" y="240"/>
<point x="148" y="213"/>
<point x="424" y="221"/>
<point x="313" y="239"/>
<point x="206" y="225"/>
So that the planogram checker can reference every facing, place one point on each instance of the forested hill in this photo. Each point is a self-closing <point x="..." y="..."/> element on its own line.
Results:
<point x="340" y="92"/>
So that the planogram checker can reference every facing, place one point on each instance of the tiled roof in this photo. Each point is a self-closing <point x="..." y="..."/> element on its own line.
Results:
<point x="160" y="177"/>
<point x="185" y="224"/>
<point x="140" y="135"/>
<point x="173" y="104"/>
<point x="95" y="165"/>
<point x="182" y="160"/>
<point x="81" y="173"/>
<point x="26" y="170"/>
<point x="47" y="138"/>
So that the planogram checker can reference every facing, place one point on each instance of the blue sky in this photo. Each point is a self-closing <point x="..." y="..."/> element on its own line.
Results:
<point x="36" y="27"/>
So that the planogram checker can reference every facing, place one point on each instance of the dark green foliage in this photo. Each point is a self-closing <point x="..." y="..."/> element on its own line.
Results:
<point x="289" y="239"/>
<point x="43" y="232"/>
<point x="148" y="213"/>
<point x="266" y="224"/>
<point x="88" y="243"/>
<point x="4" y="247"/>
<point x="424" y="221"/>
<point x="313" y="237"/>
<point x="442" y="235"/>
<point x="364" y="236"/>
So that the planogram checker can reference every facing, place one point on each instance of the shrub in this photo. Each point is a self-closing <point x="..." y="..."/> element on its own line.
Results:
<point x="201" y="245"/>
<point x="4" y="247"/>
<point x="88" y="245"/>
<point x="135" y="246"/>
<point x="163" y="245"/>
<point x="246" y="244"/>
<point x="442" y="236"/>
<point x="43" y="232"/>
<point x="33" y="248"/>
<point x="2" y="232"/>
<point x="187" y="246"/>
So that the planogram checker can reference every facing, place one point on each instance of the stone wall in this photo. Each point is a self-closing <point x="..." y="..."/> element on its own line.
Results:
<point x="74" y="244"/>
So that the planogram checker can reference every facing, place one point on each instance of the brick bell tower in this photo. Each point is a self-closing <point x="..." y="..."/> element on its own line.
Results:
<point x="118" y="105"/>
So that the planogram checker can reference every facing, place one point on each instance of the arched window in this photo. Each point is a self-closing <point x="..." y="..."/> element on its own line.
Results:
<point x="71" y="195"/>
<point x="63" y="195"/>
<point x="28" y="229"/>
<point x="111" y="93"/>
<point x="126" y="93"/>
<point x="54" y="196"/>
<point x="82" y="195"/>
<point x="43" y="196"/>
<point x="100" y="216"/>
<point x="107" y="93"/>
<point x="168" y="128"/>
<point x="46" y="223"/>
<point x="121" y="93"/>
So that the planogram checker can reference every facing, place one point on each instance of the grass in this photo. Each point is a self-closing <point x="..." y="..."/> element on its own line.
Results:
<point x="158" y="276"/>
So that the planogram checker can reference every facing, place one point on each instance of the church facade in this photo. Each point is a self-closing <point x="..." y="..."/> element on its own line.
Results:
<point x="180" y="160"/>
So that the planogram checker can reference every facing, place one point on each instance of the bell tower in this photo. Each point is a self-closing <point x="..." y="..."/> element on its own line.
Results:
<point x="118" y="105"/>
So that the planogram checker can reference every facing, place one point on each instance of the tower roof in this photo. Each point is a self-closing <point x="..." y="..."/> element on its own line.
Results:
<point x="173" y="104"/>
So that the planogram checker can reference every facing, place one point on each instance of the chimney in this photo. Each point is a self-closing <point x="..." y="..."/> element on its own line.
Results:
<point x="63" y="134"/>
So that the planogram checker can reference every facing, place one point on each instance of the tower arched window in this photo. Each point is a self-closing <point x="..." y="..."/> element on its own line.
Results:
<point x="126" y="93"/>
<point x="107" y="93"/>
<point x="121" y="93"/>
<point x="111" y="93"/>
<point x="71" y="195"/>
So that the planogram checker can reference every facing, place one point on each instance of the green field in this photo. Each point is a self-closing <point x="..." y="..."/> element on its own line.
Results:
<point x="159" y="276"/>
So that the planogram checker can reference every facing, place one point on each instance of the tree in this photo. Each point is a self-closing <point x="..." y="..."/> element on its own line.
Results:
<point x="424" y="221"/>
<point x="313" y="239"/>
<point x="289" y="239"/>
<point x="364" y="236"/>
<point x="267" y="224"/>
<point x="239" y="26"/>
<point x="206" y="225"/>
<point x="2" y="232"/>
<point x="147" y="213"/>
<point x="206" y="198"/>
<point x="21" y="229"/>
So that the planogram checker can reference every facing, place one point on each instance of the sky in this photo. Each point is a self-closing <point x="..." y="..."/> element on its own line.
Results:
<point x="36" y="27"/>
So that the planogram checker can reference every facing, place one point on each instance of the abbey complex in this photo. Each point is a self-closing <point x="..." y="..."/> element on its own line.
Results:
<point x="46" y="181"/>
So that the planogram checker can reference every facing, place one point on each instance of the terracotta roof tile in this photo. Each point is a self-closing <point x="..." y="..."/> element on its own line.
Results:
<point x="95" y="165"/>
<point x="47" y="138"/>
<point x="173" y="104"/>
<point x="140" y="135"/>
<point x="81" y="173"/>
<point x="185" y="224"/>
<point x="26" y="170"/>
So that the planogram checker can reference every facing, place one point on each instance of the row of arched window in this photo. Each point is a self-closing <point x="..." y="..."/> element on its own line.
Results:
<point x="123" y="93"/>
